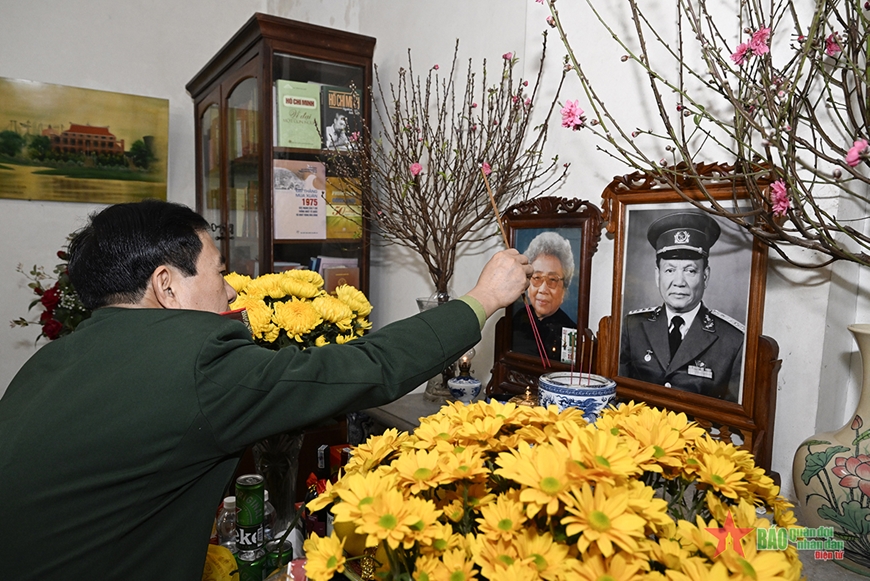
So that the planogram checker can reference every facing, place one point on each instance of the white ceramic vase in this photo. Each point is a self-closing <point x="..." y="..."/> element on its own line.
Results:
<point x="832" y="474"/>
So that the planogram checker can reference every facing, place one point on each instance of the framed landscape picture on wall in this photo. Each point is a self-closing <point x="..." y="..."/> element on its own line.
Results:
<point x="69" y="144"/>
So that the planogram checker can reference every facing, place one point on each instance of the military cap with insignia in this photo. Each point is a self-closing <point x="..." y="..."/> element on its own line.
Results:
<point x="683" y="235"/>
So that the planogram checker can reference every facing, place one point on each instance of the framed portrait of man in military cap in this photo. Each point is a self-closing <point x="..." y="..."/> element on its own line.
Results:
<point x="684" y="300"/>
<point x="687" y="308"/>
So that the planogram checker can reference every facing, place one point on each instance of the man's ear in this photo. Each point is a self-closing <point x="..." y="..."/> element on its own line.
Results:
<point x="160" y="286"/>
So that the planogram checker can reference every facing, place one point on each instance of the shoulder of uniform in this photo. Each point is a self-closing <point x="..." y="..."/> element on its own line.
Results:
<point x="639" y="311"/>
<point x="731" y="321"/>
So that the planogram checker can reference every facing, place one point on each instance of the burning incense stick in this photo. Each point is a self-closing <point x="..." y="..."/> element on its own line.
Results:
<point x="545" y="361"/>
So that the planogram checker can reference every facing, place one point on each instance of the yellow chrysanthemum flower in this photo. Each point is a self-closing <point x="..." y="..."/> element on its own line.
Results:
<point x="305" y="275"/>
<point x="424" y="530"/>
<point x="266" y="285"/>
<point x="425" y="567"/>
<point x="433" y="429"/>
<point x="334" y="311"/>
<point x="695" y="569"/>
<point x="620" y="567"/>
<point x="722" y="475"/>
<point x="542" y="471"/>
<point x="237" y="281"/>
<point x="297" y="317"/>
<point x="358" y="491"/>
<point x="502" y="519"/>
<point x="418" y="470"/>
<point x="388" y="518"/>
<point x="354" y="299"/>
<point x="444" y="538"/>
<point x="325" y="557"/>
<point x="375" y="450"/>
<point x="604" y="518"/>
<point x="493" y="556"/>
<point x="548" y="557"/>
<point x="464" y="464"/>
<point x="342" y="339"/>
<point x="599" y="456"/>
<point x="455" y="566"/>
<point x="259" y="314"/>
<point x="294" y="287"/>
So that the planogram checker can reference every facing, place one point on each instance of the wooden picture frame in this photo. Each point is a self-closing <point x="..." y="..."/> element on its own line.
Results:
<point x="517" y="364"/>
<point x="737" y="264"/>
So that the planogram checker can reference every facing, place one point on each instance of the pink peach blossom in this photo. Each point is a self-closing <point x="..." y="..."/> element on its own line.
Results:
<point x="572" y="115"/>
<point x="832" y="47"/>
<point x="853" y="157"/>
<point x="739" y="56"/>
<point x="484" y="167"/>
<point x="415" y="168"/>
<point x="507" y="56"/>
<point x="779" y="198"/>
<point x="758" y="42"/>
<point x="436" y="67"/>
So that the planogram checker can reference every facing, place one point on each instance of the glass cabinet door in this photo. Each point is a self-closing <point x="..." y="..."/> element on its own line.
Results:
<point x="210" y="192"/>
<point x="243" y="186"/>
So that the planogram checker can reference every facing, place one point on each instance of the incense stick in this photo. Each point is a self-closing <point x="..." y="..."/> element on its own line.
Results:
<point x="539" y="343"/>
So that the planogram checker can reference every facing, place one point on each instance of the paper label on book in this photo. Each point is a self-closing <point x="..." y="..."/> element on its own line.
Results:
<point x="298" y="112"/>
<point x="569" y="345"/>
<point x="298" y="200"/>
<point x="343" y="209"/>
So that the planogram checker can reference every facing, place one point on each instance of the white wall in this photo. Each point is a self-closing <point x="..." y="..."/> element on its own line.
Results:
<point x="155" y="49"/>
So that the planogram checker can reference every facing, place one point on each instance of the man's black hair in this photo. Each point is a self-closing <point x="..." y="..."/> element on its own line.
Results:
<point x="112" y="258"/>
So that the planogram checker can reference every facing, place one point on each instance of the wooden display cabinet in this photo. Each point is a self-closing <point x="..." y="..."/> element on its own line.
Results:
<point x="237" y="136"/>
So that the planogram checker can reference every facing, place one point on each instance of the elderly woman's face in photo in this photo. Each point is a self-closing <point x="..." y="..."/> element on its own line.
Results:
<point x="547" y="288"/>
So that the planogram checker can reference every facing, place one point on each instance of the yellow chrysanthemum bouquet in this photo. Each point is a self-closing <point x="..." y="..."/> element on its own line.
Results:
<point x="504" y="492"/>
<point x="292" y="308"/>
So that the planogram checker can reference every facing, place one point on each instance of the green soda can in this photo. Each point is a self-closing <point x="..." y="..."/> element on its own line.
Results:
<point x="250" y="512"/>
<point x="277" y="555"/>
<point x="251" y="564"/>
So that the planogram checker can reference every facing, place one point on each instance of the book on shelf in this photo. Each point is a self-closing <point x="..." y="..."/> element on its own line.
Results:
<point x="323" y="262"/>
<point x="281" y="265"/>
<point x="343" y="208"/>
<point x="298" y="113"/>
<point x="335" y="276"/>
<point x="298" y="199"/>
<point x="340" y="116"/>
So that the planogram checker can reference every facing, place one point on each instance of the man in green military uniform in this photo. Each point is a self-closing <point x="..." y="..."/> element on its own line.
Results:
<point x="116" y="442"/>
<point x="682" y="343"/>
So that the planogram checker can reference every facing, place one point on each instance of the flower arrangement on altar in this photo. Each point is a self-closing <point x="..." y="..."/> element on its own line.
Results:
<point x="292" y="308"/>
<point x="500" y="491"/>
<point x="62" y="310"/>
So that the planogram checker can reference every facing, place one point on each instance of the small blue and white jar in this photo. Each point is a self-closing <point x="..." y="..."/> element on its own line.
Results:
<point x="464" y="388"/>
<point x="585" y="391"/>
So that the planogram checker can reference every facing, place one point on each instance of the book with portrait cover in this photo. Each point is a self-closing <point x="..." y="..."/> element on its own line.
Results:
<point x="340" y="115"/>
<point x="298" y="204"/>
<point x="343" y="209"/>
<point x="298" y="113"/>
